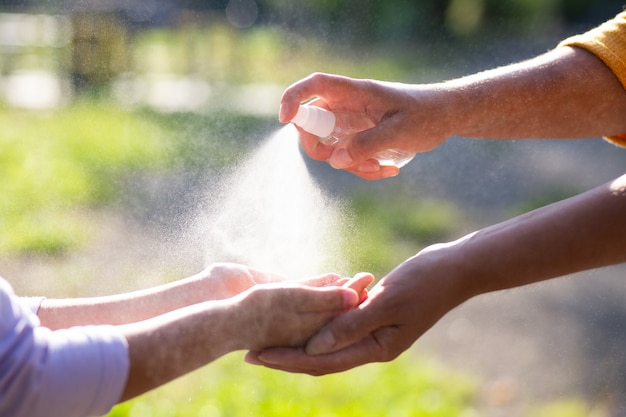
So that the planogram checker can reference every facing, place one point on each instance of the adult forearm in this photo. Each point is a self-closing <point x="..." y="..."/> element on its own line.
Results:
<point x="580" y="233"/>
<point x="129" y="307"/>
<point x="164" y="348"/>
<point x="565" y="93"/>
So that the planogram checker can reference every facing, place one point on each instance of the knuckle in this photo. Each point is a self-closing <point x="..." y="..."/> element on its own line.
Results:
<point x="317" y="76"/>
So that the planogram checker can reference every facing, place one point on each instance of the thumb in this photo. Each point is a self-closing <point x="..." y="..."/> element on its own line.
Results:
<point x="361" y="148"/>
<point x="343" y="331"/>
<point x="367" y="143"/>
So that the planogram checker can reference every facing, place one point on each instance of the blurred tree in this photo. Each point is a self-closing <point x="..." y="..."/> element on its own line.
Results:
<point x="99" y="49"/>
<point x="373" y="20"/>
<point x="590" y="12"/>
<point x="361" y="21"/>
<point x="392" y="20"/>
<point x="464" y="17"/>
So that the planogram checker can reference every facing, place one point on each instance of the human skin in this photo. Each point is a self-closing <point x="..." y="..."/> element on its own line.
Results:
<point x="176" y="328"/>
<point x="216" y="282"/>
<point x="565" y="93"/>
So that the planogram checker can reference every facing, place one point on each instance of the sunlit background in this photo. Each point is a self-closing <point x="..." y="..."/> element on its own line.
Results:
<point x="117" y="119"/>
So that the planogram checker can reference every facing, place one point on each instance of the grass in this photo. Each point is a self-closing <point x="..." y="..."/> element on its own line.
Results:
<point x="58" y="164"/>
<point x="567" y="407"/>
<point x="409" y="386"/>
<point x="55" y="164"/>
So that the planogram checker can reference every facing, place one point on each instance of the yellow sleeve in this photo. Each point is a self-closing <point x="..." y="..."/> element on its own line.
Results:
<point x="607" y="42"/>
<point x="619" y="140"/>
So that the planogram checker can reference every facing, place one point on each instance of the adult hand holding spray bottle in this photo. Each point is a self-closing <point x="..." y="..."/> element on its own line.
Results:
<point x="332" y="128"/>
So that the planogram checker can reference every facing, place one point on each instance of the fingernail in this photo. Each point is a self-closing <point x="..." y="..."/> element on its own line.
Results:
<point x="263" y="359"/>
<point x="282" y="114"/>
<point x="252" y="361"/>
<point x="369" y="166"/>
<point x="340" y="159"/>
<point x="389" y="172"/>
<point x="322" y="343"/>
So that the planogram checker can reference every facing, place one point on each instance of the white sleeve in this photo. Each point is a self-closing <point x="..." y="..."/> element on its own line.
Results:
<point x="77" y="372"/>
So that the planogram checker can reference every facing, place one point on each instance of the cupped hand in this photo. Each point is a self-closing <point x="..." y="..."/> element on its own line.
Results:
<point x="288" y="313"/>
<point x="399" y="309"/>
<point x="224" y="279"/>
<point x="405" y="117"/>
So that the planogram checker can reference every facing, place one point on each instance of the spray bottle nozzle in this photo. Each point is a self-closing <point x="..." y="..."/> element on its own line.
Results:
<point x="315" y="120"/>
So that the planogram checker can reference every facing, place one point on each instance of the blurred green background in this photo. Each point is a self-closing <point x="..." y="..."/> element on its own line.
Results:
<point x="115" y="115"/>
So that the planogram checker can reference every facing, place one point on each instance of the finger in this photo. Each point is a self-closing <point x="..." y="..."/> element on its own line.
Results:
<point x="369" y="169"/>
<point x="313" y="147"/>
<point x="298" y="93"/>
<point x="360" y="149"/>
<point x="382" y="173"/>
<point x="252" y="357"/>
<point x="261" y="277"/>
<point x="311" y="144"/>
<point x="360" y="283"/>
<point x="342" y="281"/>
<point x="297" y="360"/>
<point x="367" y="143"/>
<point x="332" y="89"/>
<point x="325" y="299"/>
<point x="289" y="103"/>
<point x="343" y="331"/>
<point x="323" y="280"/>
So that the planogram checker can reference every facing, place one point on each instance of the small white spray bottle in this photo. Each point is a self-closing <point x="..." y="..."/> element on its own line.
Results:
<point x="332" y="127"/>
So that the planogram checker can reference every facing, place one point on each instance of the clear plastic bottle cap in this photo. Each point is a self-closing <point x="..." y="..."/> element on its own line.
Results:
<point x="315" y="120"/>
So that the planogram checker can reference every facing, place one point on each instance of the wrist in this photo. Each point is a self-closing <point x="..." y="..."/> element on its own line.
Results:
<point x="437" y="110"/>
<point x="224" y="280"/>
<point x="245" y="317"/>
<point x="456" y="117"/>
<point x="446" y="267"/>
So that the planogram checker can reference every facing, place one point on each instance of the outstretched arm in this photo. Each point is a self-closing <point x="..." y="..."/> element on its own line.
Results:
<point x="166" y="347"/>
<point x="565" y="93"/>
<point x="87" y="369"/>
<point x="583" y="232"/>
<point x="218" y="281"/>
